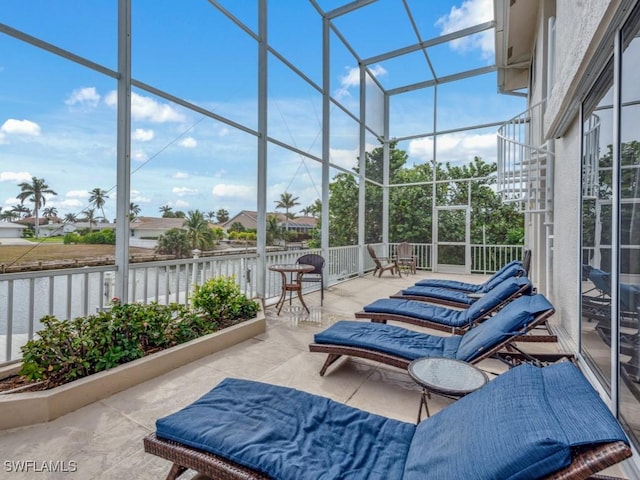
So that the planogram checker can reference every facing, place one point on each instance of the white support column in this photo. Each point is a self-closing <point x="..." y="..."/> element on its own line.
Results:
<point x="385" y="174"/>
<point x="326" y="138"/>
<point x="123" y="175"/>
<point x="362" y="168"/>
<point x="261" y="245"/>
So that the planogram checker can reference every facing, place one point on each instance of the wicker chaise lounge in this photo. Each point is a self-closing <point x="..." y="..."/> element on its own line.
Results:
<point x="442" y="318"/>
<point x="457" y="298"/>
<point x="529" y="423"/>
<point x="397" y="346"/>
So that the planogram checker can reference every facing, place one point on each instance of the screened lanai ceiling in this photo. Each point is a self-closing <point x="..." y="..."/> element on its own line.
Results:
<point x="431" y="86"/>
<point x="415" y="37"/>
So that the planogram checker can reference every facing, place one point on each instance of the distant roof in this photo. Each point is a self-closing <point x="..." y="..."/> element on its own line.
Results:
<point x="153" y="223"/>
<point x="249" y="218"/>
<point x="4" y="224"/>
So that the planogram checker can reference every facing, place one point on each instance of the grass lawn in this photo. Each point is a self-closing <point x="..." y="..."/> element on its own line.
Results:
<point x="17" y="254"/>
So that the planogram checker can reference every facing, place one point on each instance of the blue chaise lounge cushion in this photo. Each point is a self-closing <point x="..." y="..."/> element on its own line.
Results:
<point x="390" y="339"/>
<point x="442" y="293"/>
<point x="511" y="269"/>
<point x="289" y="434"/>
<point x="449" y="316"/>
<point x="511" y="320"/>
<point x="508" y="429"/>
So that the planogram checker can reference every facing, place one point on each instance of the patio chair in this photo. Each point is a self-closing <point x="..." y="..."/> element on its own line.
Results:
<point x="530" y="422"/>
<point x="406" y="259"/>
<point x="316" y="275"/>
<point x="398" y="346"/>
<point x="511" y="269"/>
<point x="383" y="263"/>
<point x="451" y="320"/>
<point x="449" y="297"/>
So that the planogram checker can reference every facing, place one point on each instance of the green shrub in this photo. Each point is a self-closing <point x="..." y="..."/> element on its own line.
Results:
<point x="220" y="298"/>
<point x="103" y="237"/>
<point x="67" y="350"/>
<point x="71" y="238"/>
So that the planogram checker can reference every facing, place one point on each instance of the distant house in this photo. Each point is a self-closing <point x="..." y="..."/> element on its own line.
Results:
<point x="153" y="227"/>
<point x="11" y="230"/>
<point x="249" y="220"/>
<point x="94" y="226"/>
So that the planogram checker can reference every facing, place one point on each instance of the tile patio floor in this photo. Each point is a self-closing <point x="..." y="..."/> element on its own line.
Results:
<point x="104" y="439"/>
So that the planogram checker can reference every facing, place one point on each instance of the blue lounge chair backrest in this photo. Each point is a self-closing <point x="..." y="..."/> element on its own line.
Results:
<point x="512" y="269"/>
<point x="496" y="296"/>
<point x="629" y="294"/>
<point x="509" y="321"/>
<point x="521" y="425"/>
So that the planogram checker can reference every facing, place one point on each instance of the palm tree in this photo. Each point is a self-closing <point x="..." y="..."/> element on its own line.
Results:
<point x="166" y="212"/>
<point x="70" y="218"/>
<point x="198" y="231"/>
<point x="274" y="230"/>
<point x="210" y="215"/>
<point x="134" y="210"/>
<point x="50" y="212"/>
<point x="98" y="197"/>
<point x="287" y="201"/>
<point x="90" y="216"/>
<point x="222" y="215"/>
<point x="20" y="211"/>
<point x="8" y="215"/>
<point x="35" y="192"/>
<point x="314" y="210"/>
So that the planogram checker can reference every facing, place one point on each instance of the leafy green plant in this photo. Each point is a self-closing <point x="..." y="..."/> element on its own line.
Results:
<point x="221" y="299"/>
<point x="67" y="350"/>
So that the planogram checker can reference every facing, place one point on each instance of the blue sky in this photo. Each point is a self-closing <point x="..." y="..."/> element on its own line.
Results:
<point x="58" y="118"/>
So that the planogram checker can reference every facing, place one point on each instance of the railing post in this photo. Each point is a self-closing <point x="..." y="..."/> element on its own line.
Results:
<point x="194" y="268"/>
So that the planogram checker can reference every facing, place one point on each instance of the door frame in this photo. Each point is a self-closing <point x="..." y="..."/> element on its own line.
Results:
<point x="445" y="268"/>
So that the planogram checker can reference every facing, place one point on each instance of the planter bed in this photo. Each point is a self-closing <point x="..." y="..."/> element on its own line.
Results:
<point x="28" y="408"/>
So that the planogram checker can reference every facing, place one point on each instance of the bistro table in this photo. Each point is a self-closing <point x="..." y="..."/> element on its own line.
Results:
<point x="293" y="284"/>
<point x="445" y="376"/>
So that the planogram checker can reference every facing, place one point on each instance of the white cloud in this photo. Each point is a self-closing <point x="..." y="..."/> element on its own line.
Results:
<point x="68" y="203"/>
<point x="351" y="79"/>
<point x="184" y="191"/>
<point x="77" y="194"/>
<point x="15" y="177"/>
<point x="344" y="158"/>
<point x="142" y="135"/>
<point x="234" y="191"/>
<point x="471" y="12"/>
<point x="137" y="197"/>
<point x="20" y="127"/>
<point x="454" y="148"/>
<point x="180" y="175"/>
<point x="10" y="202"/>
<point x="87" y="96"/>
<point x="188" y="142"/>
<point x="181" y="204"/>
<point x="146" y="108"/>
<point x="139" y="155"/>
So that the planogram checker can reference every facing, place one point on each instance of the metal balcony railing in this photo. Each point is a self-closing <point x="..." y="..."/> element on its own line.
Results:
<point x="74" y="292"/>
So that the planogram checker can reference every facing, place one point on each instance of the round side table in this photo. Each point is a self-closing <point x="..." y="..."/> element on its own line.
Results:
<point x="445" y="376"/>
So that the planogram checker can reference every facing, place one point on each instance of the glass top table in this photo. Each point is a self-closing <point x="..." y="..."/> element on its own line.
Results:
<point x="445" y="376"/>
<point x="296" y="270"/>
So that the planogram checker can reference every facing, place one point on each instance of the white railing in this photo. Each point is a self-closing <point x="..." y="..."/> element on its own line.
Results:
<point x="523" y="158"/>
<point x="69" y="293"/>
